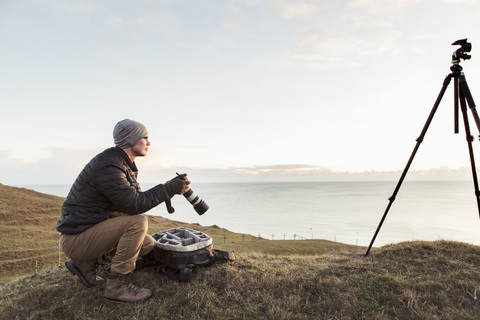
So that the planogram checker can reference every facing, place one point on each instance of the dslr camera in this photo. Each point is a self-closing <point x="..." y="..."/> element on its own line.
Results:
<point x="198" y="204"/>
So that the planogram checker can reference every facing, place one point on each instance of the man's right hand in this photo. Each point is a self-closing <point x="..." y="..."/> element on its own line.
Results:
<point x="176" y="186"/>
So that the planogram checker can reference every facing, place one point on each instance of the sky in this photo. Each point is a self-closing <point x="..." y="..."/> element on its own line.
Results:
<point x="250" y="90"/>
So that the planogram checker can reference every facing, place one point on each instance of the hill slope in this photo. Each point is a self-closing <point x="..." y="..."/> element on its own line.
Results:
<point x="308" y="279"/>
<point x="28" y="237"/>
<point x="414" y="280"/>
<point x="29" y="240"/>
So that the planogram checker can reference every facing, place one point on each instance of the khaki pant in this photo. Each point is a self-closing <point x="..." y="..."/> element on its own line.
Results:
<point x="124" y="236"/>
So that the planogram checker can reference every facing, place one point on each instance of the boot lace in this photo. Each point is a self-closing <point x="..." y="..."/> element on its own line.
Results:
<point x="130" y="286"/>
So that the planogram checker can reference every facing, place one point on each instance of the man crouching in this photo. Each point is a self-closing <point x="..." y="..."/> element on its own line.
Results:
<point x="102" y="216"/>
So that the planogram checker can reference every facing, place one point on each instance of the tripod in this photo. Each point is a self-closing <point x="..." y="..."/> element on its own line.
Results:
<point x="463" y="96"/>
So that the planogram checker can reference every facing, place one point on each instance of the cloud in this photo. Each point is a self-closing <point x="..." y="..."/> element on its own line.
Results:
<point x="284" y="170"/>
<point x="470" y="2"/>
<point x="156" y="20"/>
<point x="64" y="164"/>
<point x="426" y="36"/>
<point x="139" y="74"/>
<point x="150" y="17"/>
<point x="114" y="21"/>
<point x="232" y="16"/>
<point x="301" y="173"/>
<point x="289" y="167"/>
<point x="82" y="6"/>
<point x="298" y="9"/>
<point x="382" y="7"/>
<point x="322" y="50"/>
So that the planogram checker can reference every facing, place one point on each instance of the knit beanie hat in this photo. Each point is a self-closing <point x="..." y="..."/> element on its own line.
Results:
<point x="128" y="132"/>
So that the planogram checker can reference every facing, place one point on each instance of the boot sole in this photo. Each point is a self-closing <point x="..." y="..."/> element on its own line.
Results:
<point x="122" y="301"/>
<point x="71" y="267"/>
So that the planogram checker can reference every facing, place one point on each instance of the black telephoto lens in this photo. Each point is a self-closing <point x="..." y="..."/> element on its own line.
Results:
<point x="198" y="204"/>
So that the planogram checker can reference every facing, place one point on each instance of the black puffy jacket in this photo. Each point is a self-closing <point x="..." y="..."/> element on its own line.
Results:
<point x="107" y="184"/>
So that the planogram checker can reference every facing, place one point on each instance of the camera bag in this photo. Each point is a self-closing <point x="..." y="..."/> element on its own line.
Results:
<point x="177" y="252"/>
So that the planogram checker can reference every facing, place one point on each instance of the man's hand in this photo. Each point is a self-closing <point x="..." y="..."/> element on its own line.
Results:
<point x="116" y="214"/>
<point x="177" y="185"/>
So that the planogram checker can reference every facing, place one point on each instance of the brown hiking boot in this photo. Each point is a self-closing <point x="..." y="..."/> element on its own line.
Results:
<point x="120" y="288"/>
<point x="86" y="272"/>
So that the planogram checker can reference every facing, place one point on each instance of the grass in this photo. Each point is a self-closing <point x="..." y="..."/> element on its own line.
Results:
<point x="304" y="279"/>
<point x="412" y="280"/>
<point x="27" y="228"/>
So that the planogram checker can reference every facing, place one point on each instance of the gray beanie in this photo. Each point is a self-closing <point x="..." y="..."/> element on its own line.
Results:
<point x="128" y="132"/>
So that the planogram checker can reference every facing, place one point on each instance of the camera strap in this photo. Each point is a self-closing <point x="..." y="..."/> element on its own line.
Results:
<point x="168" y="203"/>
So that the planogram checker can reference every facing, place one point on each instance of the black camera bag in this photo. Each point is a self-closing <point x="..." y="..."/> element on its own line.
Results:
<point x="177" y="252"/>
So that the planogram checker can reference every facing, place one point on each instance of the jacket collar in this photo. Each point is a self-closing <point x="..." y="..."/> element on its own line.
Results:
<point x="124" y="155"/>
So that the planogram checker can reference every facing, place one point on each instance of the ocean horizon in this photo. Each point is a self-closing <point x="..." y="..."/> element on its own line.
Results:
<point x="347" y="212"/>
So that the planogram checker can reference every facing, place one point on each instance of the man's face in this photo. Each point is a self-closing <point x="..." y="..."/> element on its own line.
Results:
<point x="141" y="148"/>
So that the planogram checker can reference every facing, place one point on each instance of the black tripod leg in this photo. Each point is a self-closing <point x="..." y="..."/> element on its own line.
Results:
<point x="455" y="104"/>
<point x="412" y="156"/>
<point x="468" y="96"/>
<point x="469" y="142"/>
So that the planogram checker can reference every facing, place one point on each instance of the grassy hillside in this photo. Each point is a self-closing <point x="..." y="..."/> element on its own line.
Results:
<point x="27" y="228"/>
<point x="415" y="280"/>
<point x="28" y="239"/>
<point x="307" y="279"/>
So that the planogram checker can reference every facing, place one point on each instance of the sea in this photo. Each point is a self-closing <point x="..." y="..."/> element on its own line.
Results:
<point x="346" y="212"/>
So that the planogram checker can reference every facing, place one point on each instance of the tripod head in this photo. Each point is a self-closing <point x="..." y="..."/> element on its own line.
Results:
<point x="460" y="53"/>
<point x="459" y="80"/>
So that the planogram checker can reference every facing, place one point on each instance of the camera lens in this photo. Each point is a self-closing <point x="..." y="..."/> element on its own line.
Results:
<point x="198" y="204"/>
